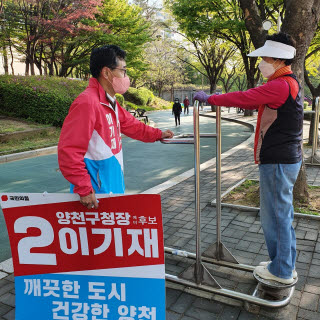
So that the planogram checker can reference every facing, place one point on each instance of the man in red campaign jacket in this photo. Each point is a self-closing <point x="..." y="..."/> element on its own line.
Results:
<point x="90" y="148"/>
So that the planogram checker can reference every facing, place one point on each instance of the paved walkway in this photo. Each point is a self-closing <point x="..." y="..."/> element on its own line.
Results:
<point x="241" y="234"/>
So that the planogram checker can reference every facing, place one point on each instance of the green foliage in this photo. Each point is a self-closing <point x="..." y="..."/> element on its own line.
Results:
<point x="128" y="29"/>
<point x="120" y="99"/>
<point x="141" y="97"/>
<point x="305" y="104"/>
<point x="158" y="104"/>
<point x="37" y="98"/>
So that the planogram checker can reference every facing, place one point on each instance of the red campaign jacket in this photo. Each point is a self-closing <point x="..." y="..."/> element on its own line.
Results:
<point x="90" y="148"/>
<point x="275" y="113"/>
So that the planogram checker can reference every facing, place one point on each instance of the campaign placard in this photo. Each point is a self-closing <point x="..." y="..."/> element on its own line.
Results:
<point x="73" y="263"/>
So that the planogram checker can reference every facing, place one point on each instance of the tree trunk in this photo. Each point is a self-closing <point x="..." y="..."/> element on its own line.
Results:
<point x="27" y="67"/>
<point x="301" y="21"/>
<point x="5" y="60"/>
<point x="11" y="54"/>
<point x="300" y="190"/>
<point x="213" y="87"/>
<point x="311" y="129"/>
<point x="253" y="21"/>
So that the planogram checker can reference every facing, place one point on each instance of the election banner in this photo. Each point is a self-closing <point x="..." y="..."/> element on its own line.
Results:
<point x="72" y="263"/>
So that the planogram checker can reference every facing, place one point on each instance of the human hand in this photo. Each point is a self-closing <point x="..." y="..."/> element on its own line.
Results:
<point x="168" y="134"/>
<point x="90" y="201"/>
<point x="201" y="96"/>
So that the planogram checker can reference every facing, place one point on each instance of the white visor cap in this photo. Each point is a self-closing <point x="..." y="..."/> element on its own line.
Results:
<point x="274" y="49"/>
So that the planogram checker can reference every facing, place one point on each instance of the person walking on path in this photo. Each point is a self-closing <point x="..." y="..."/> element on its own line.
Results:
<point x="186" y="104"/>
<point x="277" y="149"/>
<point x="90" y="148"/>
<point x="177" y="110"/>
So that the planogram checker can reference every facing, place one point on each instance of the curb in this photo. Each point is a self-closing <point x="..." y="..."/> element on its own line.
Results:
<point x="40" y="152"/>
<point x="28" y="154"/>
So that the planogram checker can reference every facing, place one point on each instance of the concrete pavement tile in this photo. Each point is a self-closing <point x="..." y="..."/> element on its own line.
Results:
<point x="172" y="316"/>
<point x="315" y="261"/>
<point x="312" y="289"/>
<point x="300" y="234"/>
<point x="171" y="296"/>
<point x="301" y="282"/>
<point x="4" y="309"/>
<point x="207" y="305"/>
<point x="183" y="303"/>
<point x="8" y="299"/>
<point x="304" y="314"/>
<point x="304" y="257"/>
<point x="311" y="235"/>
<point x="244" y="315"/>
<point x="316" y="256"/>
<point x="314" y="271"/>
<point x="295" y="300"/>
<point x="313" y="281"/>
<point x="173" y="269"/>
<point x="5" y="287"/>
<point x="3" y="275"/>
<point x="288" y="312"/>
<point x="309" y="301"/>
<point x="229" y="313"/>
<point x="201" y="314"/>
<point x="10" y="315"/>
<point x="7" y="266"/>
<point x="305" y="248"/>
<point x="302" y="266"/>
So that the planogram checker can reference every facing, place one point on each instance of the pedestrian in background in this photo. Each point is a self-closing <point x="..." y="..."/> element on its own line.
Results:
<point x="186" y="104"/>
<point x="177" y="110"/>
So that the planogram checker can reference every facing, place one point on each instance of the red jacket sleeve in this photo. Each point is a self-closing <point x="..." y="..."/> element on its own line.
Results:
<point x="273" y="93"/>
<point x="75" y="135"/>
<point x="135" y="129"/>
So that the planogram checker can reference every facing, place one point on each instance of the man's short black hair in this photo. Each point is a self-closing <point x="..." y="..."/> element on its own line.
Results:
<point x="106" y="56"/>
<point x="286" y="39"/>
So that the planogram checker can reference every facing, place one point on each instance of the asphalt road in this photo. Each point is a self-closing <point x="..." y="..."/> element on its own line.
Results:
<point x="146" y="165"/>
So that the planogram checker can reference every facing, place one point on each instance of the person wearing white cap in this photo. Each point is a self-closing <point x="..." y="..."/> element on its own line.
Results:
<point x="277" y="149"/>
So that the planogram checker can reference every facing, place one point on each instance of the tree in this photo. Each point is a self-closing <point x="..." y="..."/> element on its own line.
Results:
<point x="233" y="75"/>
<point x="212" y="55"/>
<point x="221" y="19"/>
<point x="164" y="66"/>
<point x="130" y="30"/>
<point x="300" y="21"/>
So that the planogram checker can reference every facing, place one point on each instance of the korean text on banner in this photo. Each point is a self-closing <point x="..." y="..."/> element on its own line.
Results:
<point x="72" y="263"/>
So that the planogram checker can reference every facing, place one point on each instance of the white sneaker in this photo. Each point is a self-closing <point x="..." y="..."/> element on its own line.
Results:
<point x="264" y="273"/>
<point x="265" y="263"/>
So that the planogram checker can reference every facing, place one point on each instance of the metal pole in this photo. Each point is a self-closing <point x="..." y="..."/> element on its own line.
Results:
<point x="198" y="266"/>
<point x="218" y="175"/>
<point x="317" y="123"/>
<point x="315" y="130"/>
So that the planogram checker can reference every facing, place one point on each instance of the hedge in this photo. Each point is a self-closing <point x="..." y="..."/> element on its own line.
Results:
<point x="47" y="99"/>
<point x="38" y="98"/>
<point x="120" y="99"/>
<point x="141" y="96"/>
